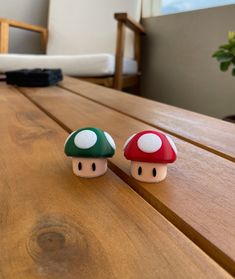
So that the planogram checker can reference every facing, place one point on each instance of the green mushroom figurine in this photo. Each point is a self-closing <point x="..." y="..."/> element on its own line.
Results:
<point x="89" y="149"/>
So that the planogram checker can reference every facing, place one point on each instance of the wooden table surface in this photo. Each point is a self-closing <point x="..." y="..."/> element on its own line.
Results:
<point x="56" y="225"/>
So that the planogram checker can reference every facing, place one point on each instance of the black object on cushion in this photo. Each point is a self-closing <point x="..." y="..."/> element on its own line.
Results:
<point x="34" y="78"/>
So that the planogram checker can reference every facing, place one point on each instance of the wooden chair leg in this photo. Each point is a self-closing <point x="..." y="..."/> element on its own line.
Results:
<point x="44" y="39"/>
<point x="119" y="56"/>
<point x="137" y="87"/>
<point x="137" y="49"/>
<point x="4" y="37"/>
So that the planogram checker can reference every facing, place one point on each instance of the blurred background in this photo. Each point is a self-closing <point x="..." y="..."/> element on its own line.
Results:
<point x="176" y="64"/>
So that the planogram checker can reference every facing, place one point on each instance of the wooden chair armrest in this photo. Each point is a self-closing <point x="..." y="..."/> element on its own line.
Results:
<point x="22" y="25"/>
<point x="4" y="33"/>
<point x="130" y="23"/>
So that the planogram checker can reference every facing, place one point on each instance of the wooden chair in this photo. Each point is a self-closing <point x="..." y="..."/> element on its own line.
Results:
<point x="73" y="38"/>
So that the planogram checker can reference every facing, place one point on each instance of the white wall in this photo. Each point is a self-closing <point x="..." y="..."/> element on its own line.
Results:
<point x="30" y="11"/>
<point x="151" y="8"/>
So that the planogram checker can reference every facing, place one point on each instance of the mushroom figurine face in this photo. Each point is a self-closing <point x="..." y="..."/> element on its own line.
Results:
<point x="89" y="149"/>
<point x="150" y="152"/>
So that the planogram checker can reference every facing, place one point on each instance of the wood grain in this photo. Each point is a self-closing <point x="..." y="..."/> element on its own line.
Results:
<point x="209" y="133"/>
<point x="56" y="225"/>
<point x="197" y="196"/>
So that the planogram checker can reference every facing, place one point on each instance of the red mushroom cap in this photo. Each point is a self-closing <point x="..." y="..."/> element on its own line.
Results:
<point x="150" y="146"/>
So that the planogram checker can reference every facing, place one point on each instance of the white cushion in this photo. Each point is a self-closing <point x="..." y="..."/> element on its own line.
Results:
<point x="75" y="65"/>
<point x="88" y="26"/>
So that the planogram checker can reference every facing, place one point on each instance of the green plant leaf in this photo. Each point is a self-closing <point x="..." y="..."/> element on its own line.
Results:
<point x="218" y="53"/>
<point x="225" y="57"/>
<point x="232" y="44"/>
<point x="224" y="66"/>
<point x="233" y="51"/>
<point x="226" y="47"/>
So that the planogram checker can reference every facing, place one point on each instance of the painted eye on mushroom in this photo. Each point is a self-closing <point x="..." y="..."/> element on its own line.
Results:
<point x="154" y="172"/>
<point x="139" y="170"/>
<point x="150" y="152"/>
<point x="93" y="166"/>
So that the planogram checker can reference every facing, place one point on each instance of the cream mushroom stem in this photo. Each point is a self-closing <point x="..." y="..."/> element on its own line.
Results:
<point x="89" y="167"/>
<point x="148" y="172"/>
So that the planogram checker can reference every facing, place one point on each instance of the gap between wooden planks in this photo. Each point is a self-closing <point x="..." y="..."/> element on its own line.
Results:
<point x="206" y="132"/>
<point x="198" y="195"/>
<point x="56" y="225"/>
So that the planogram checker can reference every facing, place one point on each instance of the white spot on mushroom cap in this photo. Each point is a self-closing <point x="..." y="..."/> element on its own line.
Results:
<point x="149" y="143"/>
<point x="172" y="144"/>
<point x="127" y="141"/>
<point x="85" y="139"/>
<point x="110" y="140"/>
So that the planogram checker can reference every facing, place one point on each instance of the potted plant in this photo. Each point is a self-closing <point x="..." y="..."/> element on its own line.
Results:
<point x="226" y="57"/>
<point x="226" y="54"/>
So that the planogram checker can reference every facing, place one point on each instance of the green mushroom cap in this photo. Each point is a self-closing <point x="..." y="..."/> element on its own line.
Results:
<point x="89" y="142"/>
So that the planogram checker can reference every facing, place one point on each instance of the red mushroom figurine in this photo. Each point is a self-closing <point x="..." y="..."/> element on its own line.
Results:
<point x="150" y="152"/>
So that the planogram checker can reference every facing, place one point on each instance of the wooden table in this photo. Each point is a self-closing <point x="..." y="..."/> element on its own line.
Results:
<point x="56" y="225"/>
